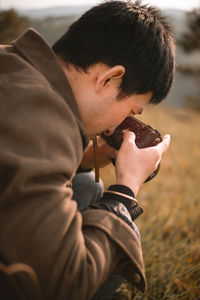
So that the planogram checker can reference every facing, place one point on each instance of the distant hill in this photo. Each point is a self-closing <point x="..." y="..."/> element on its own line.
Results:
<point x="176" y="16"/>
<point x="54" y="11"/>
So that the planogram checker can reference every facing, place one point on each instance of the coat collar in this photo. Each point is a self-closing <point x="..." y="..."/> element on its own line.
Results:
<point x="37" y="51"/>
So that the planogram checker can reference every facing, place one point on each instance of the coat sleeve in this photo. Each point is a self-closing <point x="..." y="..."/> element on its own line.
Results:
<point x="71" y="253"/>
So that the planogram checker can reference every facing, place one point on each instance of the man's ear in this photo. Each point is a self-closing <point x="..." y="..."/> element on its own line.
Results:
<point x="105" y="78"/>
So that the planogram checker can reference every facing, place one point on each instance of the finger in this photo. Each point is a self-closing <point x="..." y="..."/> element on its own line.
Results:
<point x="128" y="139"/>
<point x="129" y="136"/>
<point x="113" y="154"/>
<point x="164" y="145"/>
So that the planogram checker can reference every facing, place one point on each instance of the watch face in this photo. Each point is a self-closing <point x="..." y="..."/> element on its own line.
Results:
<point x="145" y="136"/>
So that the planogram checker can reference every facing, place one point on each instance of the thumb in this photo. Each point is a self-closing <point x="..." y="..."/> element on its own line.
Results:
<point x="129" y="137"/>
<point x="164" y="145"/>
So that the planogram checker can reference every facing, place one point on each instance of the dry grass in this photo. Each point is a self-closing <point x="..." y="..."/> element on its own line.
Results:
<point x="170" y="225"/>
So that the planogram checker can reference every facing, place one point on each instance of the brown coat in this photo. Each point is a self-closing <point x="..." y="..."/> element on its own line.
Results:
<point x="41" y="144"/>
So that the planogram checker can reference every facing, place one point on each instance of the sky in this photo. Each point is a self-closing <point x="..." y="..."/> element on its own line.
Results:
<point x="28" y="4"/>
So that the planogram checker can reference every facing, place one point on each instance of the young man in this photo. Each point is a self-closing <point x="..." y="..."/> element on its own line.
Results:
<point x="111" y="63"/>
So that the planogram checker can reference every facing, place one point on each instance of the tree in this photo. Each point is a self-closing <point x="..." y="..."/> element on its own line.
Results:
<point x="11" y="25"/>
<point x="190" y="41"/>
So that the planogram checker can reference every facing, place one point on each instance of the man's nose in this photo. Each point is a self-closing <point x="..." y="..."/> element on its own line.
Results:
<point x="140" y="111"/>
<point x="137" y="111"/>
<point x="110" y="131"/>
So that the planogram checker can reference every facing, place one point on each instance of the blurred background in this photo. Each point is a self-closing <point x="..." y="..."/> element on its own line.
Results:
<point x="170" y="225"/>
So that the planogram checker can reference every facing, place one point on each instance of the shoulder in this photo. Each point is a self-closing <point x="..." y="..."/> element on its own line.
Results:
<point x="14" y="69"/>
<point x="37" y="121"/>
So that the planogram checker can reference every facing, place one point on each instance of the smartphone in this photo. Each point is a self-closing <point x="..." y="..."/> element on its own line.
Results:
<point x="145" y="136"/>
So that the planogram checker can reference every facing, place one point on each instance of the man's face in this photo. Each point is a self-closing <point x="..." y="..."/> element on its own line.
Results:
<point x="111" y="111"/>
<point x="96" y="92"/>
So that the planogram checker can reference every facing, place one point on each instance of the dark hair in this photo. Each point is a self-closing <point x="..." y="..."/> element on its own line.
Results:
<point x="133" y="35"/>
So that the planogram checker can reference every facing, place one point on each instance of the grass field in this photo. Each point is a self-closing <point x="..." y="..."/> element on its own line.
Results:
<point x="170" y="224"/>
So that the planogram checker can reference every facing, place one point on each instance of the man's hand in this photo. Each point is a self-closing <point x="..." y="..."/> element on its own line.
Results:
<point x="134" y="165"/>
<point x="104" y="155"/>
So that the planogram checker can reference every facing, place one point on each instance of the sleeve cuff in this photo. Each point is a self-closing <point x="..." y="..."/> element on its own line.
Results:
<point x="81" y="170"/>
<point x="135" y="211"/>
